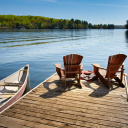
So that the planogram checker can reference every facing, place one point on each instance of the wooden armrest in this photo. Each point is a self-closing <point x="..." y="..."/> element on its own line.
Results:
<point x="58" y="66"/>
<point x="59" y="70"/>
<point x="98" y="66"/>
<point x="81" y="67"/>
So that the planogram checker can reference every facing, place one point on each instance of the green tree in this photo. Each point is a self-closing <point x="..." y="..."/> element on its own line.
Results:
<point x="105" y="26"/>
<point x="90" y="25"/>
<point x="127" y="25"/>
<point x="111" y="26"/>
<point x="71" y="24"/>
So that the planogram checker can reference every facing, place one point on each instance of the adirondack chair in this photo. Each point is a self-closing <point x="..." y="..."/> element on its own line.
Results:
<point x="115" y="63"/>
<point x="72" y="68"/>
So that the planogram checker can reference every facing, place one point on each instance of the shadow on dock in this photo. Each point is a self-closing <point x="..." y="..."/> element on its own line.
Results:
<point x="52" y="92"/>
<point x="98" y="89"/>
<point x="59" y="89"/>
<point x="56" y="88"/>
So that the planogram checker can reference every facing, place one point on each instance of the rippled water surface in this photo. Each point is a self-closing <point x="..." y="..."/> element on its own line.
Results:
<point x="41" y="49"/>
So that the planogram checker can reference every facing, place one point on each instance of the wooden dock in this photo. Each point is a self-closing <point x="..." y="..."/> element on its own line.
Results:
<point x="50" y="106"/>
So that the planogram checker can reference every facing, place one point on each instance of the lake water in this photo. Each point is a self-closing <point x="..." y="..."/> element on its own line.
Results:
<point x="41" y="49"/>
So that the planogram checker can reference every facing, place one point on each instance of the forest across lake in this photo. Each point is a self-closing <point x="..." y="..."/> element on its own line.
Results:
<point x="39" y="22"/>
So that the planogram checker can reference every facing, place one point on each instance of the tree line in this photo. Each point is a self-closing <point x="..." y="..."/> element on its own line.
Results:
<point x="126" y="25"/>
<point x="39" y="22"/>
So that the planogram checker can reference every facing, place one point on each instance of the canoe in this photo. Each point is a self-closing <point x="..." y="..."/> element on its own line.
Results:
<point x="13" y="87"/>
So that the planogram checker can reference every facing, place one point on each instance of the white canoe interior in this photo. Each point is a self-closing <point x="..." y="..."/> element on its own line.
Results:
<point x="10" y="85"/>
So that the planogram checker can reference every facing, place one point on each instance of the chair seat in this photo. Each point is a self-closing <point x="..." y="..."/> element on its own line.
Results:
<point x="103" y="72"/>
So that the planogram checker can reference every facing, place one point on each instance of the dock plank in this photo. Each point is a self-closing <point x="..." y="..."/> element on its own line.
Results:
<point x="51" y="106"/>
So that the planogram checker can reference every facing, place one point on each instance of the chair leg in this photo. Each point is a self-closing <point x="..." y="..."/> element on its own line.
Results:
<point x="121" y="77"/>
<point x="78" y="81"/>
<point x="79" y="78"/>
<point x="58" y="72"/>
<point x="119" y="81"/>
<point x="98" y="75"/>
<point x="103" y="80"/>
<point x="65" y="79"/>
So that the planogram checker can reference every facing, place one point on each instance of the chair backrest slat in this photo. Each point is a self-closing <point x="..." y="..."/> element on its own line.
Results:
<point x="72" y="59"/>
<point x="114" y="63"/>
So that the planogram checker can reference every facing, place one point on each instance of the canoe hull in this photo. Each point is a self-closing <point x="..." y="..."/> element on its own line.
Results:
<point x="18" y="94"/>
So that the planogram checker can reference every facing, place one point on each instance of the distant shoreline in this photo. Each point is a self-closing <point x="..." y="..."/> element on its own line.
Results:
<point x="39" y="22"/>
<point x="56" y="29"/>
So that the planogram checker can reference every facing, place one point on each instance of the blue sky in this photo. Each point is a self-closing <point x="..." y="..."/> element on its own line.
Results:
<point x="92" y="11"/>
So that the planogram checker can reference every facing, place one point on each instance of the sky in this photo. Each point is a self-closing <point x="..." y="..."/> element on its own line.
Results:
<point x="93" y="11"/>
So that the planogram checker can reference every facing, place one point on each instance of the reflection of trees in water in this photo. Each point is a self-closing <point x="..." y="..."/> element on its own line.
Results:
<point x="126" y="34"/>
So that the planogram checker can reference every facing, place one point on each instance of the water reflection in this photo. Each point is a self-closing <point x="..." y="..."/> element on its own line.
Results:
<point x="126" y="34"/>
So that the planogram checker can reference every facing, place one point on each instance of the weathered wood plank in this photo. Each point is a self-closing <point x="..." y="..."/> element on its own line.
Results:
<point x="58" y="120"/>
<point x="79" y="105"/>
<point x="79" y="99"/>
<point x="6" y="121"/>
<point x="91" y="110"/>
<point x="72" y="114"/>
<point x="71" y="96"/>
<point x="50" y="106"/>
